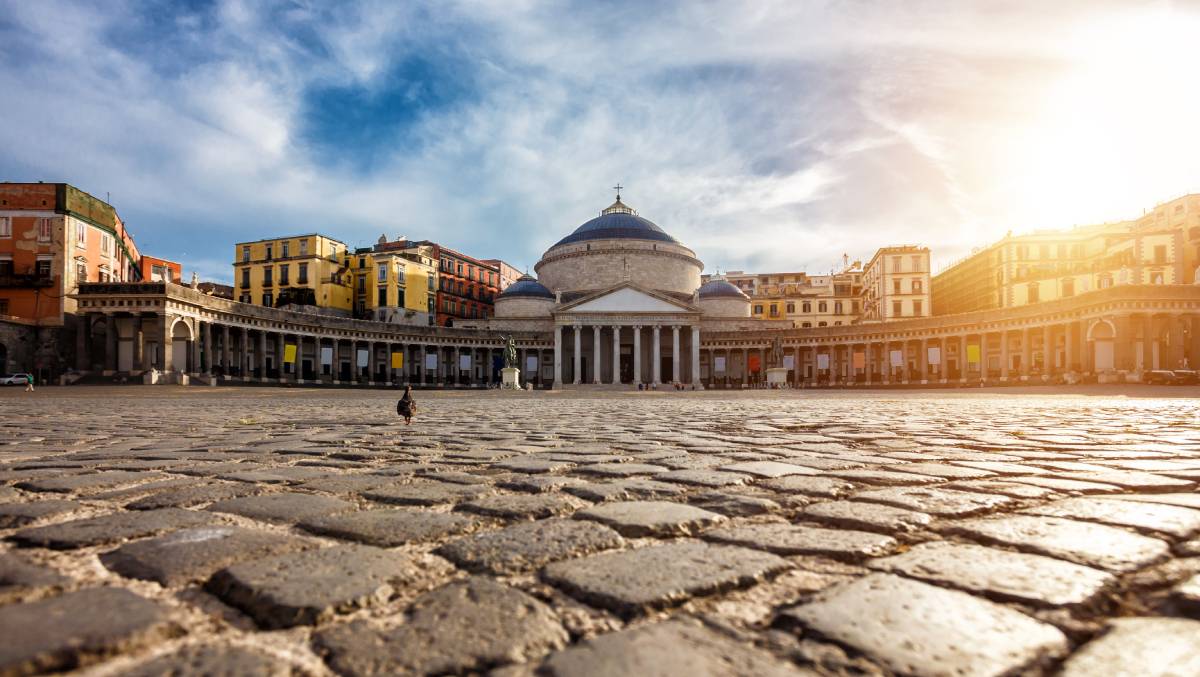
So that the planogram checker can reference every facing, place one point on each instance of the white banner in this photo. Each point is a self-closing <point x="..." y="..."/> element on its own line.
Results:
<point x="897" y="358"/>
<point x="430" y="361"/>
<point x="935" y="355"/>
<point x="719" y="365"/>
<point x="326" y="355"/>
<point x="531" y="364"/>
<point x="822" y="360"/>
<point x="464" y="362"/>
<point x="789" y="361"/>
<point x="362" y="357"/>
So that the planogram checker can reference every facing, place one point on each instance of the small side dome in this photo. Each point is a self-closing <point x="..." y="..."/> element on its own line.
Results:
<point x="720" y="288"/>
<point x="528" y="287"/>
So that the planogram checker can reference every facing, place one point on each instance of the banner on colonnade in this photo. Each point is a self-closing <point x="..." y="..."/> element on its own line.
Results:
<point x="289" y="354"/>
<point x="719" y="365"/>
<point x="973" y="354"/>
<point x="362" y="357"/>
<point x="789" y="361"/>
<point x="822" y="360"/>
<point x="860" y="360"/>
<point x="935" y="355"/>
<point x="531" y="363"/>
<point x="464" y="362"/>
<point x="430" y="361"/>
<point x="397" y="360"/>
<point x="326" y="355"/>
<point x="897" y="358"/>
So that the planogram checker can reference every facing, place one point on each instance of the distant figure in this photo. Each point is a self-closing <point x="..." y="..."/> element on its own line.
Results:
<point x="407" y="406"/>
<point x="28" y="383"/>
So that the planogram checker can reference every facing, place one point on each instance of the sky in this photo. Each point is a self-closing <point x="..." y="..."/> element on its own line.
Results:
<point x="767" y="136"/>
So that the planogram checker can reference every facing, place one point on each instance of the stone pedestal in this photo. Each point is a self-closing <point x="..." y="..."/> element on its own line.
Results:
<point x="510" y="378"/>
<point x="777" y="377"/>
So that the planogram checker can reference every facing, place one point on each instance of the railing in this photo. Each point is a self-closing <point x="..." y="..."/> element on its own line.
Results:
<point x="27" y="280"/>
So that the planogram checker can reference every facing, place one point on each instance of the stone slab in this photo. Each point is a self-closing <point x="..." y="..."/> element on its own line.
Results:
<point x="620" y="469"/>
<point x="194" y="495"/>
<point x="526" y="546"/>
<point x="286" y="508"/>
<point x="1140" y="647"/>
<point x="769" y="469"/>
<point x="918" y="629"/>
<point x="523" y="506"/>
<point x="795" y="539"/>
<point x="76" y="629"/>
<point x="389" y="528"/>
<point x="631" y="581"/>
<point x="866" y="516"/>
<point x="19" y="576"/>
<point x="652" y="518"/>
<point x="465" y="627"/>
<point x="312" y="586"/>
<point x="704" y="478"/>
<point x="1096" y="545"/>
<point x="1141" y="516"/>
<point x="110" y="528"/>
<point x="192" y="555"/>
<point x="425" y="493"/>
<point x="732" y="504"/>
<point x="935" y="501"/>
<point x="823" y="487"/>
<point x="213" y="661"/>
<point x="625" y="490"/>
<point x="20" y="514"/>
<point x="94" y="481"/>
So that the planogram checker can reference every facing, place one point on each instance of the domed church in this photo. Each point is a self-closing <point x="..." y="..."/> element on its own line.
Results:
<point x="624" y="303"/>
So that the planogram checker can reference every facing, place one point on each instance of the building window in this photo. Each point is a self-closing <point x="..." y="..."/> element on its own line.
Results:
<point x="897" y="308"/>
<point x="758" y="310"/>
<point x="916" y="285"/>
<point x="43" y="267"/>
<point x="381" y="301"/>
<point x="917" y="264"/>
<point x="791" y="308"/>
<point x="806" y="325"/>
<point x="5" y="226"/>
<point x="267" y="299"/>
<point x="460" y="269"/>
<point x="896" y="264"/>
<point x="362" y="284"/>
<point x="81" y="233"/>
<point x="245" y="278"/>
<point x="822" y="323"/>
<point x="381" y="272"/>
<point x="1160" y="253"/>
<point x="284" y="249"/>
<point x="302" y="272"/>
<point x="822" y="307"/>
<point x="43" y="230"/>
<point x="245" y="254"/>
<point x="806" y="307"/>
<point x="244" y="298"/>
<point x="1068" y="287"/>
<point x="283" y="274"/>
<point x="303" y="247"/>
<point x="270" y="250"/>
<point x="430" y="281"/>
<point x="917" y="307"/>
<point x="400" y="275"/>
<point x="854" y="307"/>
<point x="6" y="267"/>
<point x="80" y="272"/>
<point x="774" y="310"/>
<point x="267" y="275"/>
<point x="896" y="285"/>
<point x="837" y="307"/>
<point x="333" y="252"/>
<point x="1033" y="293"/>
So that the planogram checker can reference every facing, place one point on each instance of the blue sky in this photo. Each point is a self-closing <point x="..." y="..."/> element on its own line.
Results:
<point x="767" y="136"/>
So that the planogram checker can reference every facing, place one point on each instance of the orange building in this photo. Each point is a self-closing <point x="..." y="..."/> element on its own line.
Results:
<point x="154" y="269"/>
<point x="52" y="237"/>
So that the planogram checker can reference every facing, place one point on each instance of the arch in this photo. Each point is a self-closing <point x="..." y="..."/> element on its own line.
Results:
<point x="1101" y="330"/>
<point x="181" y="329"/>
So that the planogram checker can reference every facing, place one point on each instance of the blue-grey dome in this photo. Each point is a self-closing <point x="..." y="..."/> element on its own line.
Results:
<point x="714" y="289"/>
<point x="526" y="286"/>
<point x="618" y="222"/>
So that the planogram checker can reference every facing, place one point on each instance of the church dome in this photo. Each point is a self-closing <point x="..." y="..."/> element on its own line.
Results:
<point x="618" y="222"/>
<point x="526" y="286"/>
<point x="719" y="288"/>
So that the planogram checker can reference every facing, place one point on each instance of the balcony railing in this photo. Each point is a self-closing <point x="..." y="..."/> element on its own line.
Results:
<point x="27" y="281"/>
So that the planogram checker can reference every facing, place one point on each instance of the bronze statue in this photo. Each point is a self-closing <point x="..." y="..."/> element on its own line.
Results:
<point x="510" y="352"/>
<point x="775" y="358"/>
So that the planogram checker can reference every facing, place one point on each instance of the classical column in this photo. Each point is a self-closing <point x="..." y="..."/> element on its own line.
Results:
<point x="1147" y="342"/>
<point x="676" y="377"/>
<point x="962" y="358"/>
<point x="1005" y="360"/>
<point x="82" y="343"/>
<point x="616" y="364"/>
<point x="696" y="355"/>
<point x="558" y="330"/>
<point x="110" y="343"/>
<point x="943" y="362"/>
<point x="1047" y="352"/>
<point x="141" y="355"/>
<point x="226" y="351"/>
<point x="1069" y="347"/>
<point x="260" y="355"/>
<point x="637" y="354"/>
<point x="577" y="358"/>
<point x="419" y="368"/>
<point x="1176" y="338"/>
<point x="745" y="366"/>
<point x="655" y="358"/>
<point x="596" y="354"/>
<point x="280" y="351"/>
<point x="165" y="343"/>
<point x="1026" y="354"/>
<point x="206" y="335"/>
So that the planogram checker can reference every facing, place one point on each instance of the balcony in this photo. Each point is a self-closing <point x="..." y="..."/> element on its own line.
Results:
<point x="27" y="281"/>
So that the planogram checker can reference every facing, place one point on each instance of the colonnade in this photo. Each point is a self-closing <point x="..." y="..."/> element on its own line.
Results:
<point x="639" y="354"/>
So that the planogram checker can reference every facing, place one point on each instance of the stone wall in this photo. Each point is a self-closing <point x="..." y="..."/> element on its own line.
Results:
<point x="725" y="307"/>
<point x="600" y="264"/>
<point x="37" y="350"/>
<point x="524" y="307"/>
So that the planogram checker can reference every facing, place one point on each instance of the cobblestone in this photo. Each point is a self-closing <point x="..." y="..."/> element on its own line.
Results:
<point x="766" y="533"/>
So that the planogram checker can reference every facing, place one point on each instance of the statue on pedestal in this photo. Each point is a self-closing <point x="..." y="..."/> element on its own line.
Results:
<point x="775" y="357"/>
<point x="510" y="352"/>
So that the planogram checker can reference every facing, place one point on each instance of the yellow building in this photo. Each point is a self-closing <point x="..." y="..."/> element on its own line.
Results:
<point x="306" y="270"/>
<point x="807" y="300"/>
<point x="395" y="282"/>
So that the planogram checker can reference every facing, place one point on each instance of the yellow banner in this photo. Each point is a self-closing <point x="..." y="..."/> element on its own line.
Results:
<point x="289" y="354"/>
<point x="973" y="354"/>
<point x="397" y="360"/>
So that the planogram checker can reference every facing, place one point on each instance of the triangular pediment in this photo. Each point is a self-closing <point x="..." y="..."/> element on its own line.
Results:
<point x="626" y="298"/>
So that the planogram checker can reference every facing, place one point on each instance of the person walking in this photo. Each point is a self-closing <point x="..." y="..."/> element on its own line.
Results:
<point x="407" y="406"/>
<point x="28" y="383"/>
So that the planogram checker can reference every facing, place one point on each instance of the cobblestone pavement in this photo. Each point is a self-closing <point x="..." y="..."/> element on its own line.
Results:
<point x="157" y="531"/>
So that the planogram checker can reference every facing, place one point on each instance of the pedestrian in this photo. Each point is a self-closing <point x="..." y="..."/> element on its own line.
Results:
<point x="407" y="406"/>
<point x="28" y="383"/>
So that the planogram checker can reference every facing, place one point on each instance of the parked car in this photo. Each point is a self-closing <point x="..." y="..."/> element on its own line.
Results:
<point x="14" y="379"/>
<point x="1160" y="377"/>
<point x="1187" y="377"/>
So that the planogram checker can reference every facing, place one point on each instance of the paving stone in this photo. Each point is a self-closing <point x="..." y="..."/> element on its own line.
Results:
<point x="539" y="484"/>
<point x="464" y="627"/>
<point x="867" y="516"/>
<point x="936" y="501"/>
<point x="529" y="545"/>
<point x="660" y="576"/>
<point x="769" y="469"/>
<point x="101" y="480"/>
<point x="425" y="493"/>
<point x="918" y="629"/>
<point x="312" y="586"/>
<point x="733" y="505"/>
<point x="1140" y="481"/>
<point x="942" y="470"/>
<point x="794" y="539"/>
<point x="285" y="508"/>
<point x="212" y="661"/>
<point x="20" y="514"/>
<point x="1187" y="595"/>
<point x="110" y="528"/>
<point x="389" y="528"/>
<point x="1167" y="519"/>
<point x="19" y="576"/>
<point x="534" y="465"/>
<point x="824" y="487"/>
<point x="1001" y="574"/>
<point x="1181" y="500"/>
<point x="620" y="469"/>
<point x="625" y="490"/>
<point x="1140" y="647"/>
<point x="1068" y="486"/>
<point x="884" y="477"/>
<point x="1096" y="545"/>
<point x="192" y="555"/>
<point x="673" y="648"/>
<point x="195" y="495"/>
<point x="1011" y="489"/>
<point x="346" y="484"/>
<point x="703" y="478"/>
<point x="76" y="629"/>
<point x="454" y="477"/>
<point x="522" y="506"/>
<point x="652" y="518"/>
